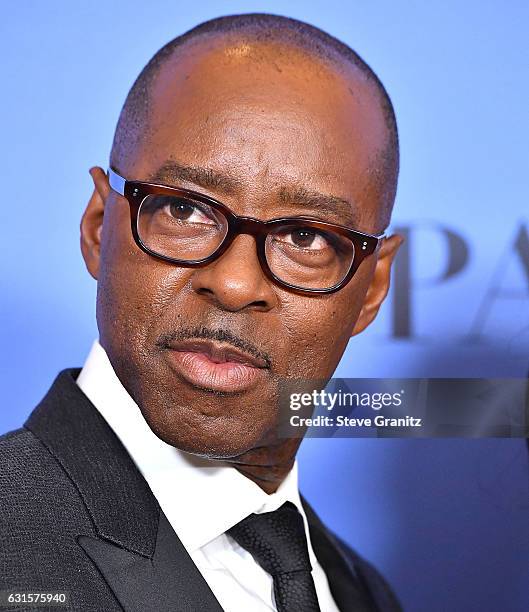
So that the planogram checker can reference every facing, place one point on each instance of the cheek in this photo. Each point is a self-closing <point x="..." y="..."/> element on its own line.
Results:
<point x="320" y="328"/>
<point x="133" y="290"/>
<point x="318" y="331"/>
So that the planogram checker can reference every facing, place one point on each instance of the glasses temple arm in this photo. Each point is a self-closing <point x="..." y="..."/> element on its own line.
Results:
<point x="116" y="181"/>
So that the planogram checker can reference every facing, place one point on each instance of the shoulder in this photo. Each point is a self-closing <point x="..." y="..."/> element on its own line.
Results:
<point x="17" y="448"/>
<point x="376" y="584"/>
<point x="23" y="468"/>
<point x="32" y="481"/>
<point x="41" y="511"/>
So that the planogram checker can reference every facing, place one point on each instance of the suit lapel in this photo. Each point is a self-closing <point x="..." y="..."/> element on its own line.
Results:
<point x="133" y="544"/>
<point x="164" y="582"/>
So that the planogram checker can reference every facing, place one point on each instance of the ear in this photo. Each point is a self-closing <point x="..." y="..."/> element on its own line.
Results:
<point x="92" y="221"/>
<point x="379" y="286"/>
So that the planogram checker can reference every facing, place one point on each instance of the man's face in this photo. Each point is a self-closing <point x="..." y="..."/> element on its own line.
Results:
<point x="268" y="126"/>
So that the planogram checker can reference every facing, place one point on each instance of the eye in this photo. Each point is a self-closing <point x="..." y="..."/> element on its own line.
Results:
<point x="182" y="210"/>
<point x="187" y="210"/>
<point x="304" y="238"/>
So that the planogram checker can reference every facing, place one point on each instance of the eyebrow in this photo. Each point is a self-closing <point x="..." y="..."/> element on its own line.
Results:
<point x="325" y="203"/>
<point x="172" y="172"/>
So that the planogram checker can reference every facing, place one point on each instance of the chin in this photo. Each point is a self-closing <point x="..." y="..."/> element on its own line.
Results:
<point x="218" y="436"/>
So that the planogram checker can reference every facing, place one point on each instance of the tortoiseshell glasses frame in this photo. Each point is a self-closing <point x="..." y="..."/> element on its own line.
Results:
<point x="136" y="192"/>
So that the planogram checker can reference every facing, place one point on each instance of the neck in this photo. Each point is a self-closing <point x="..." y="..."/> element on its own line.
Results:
<point x="268" y="466"/>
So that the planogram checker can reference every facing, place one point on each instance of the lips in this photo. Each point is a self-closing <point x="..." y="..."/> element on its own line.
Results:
<point x="216" y="366"/>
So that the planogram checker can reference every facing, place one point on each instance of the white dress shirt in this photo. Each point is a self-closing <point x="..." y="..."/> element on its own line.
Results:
<point x="201" y="498"/>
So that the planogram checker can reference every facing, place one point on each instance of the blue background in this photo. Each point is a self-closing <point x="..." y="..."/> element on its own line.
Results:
<point x="445" y="520"/>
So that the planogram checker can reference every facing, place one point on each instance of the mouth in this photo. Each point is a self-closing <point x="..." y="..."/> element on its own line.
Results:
<point x="216" y="366"/>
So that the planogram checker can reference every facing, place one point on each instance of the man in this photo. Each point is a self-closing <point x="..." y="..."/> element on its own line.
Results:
<point x="156" y="477"/>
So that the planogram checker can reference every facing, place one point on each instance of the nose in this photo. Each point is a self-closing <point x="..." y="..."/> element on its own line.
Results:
<point x="236" y="281"/>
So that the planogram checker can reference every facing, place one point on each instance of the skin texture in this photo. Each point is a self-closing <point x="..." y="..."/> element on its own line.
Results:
<point x="273" y="120"/>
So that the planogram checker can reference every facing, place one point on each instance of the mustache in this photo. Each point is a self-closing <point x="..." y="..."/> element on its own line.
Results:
<point x="220" y="335"/>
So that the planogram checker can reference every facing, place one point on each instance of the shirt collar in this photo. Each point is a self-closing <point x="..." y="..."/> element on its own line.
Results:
<point x="201" y="498"/>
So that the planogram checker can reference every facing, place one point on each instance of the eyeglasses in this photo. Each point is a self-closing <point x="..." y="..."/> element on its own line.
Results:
<point x="191" y="229"/>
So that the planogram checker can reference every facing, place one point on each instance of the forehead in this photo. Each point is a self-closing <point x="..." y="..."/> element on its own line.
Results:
<point x="270" y="115"/>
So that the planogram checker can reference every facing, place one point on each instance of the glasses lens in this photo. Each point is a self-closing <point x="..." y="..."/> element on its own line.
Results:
<point x="308" y="257"/>
<point x="180" y="227"/>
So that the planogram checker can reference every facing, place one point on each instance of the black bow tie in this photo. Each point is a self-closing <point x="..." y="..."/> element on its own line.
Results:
<point x="278" y="542"/>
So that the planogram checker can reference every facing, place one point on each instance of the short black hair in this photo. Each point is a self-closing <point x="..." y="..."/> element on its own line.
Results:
<point x="263" y="27"/>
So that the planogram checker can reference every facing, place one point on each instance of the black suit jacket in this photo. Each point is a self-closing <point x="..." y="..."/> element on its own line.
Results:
<point x="77" y="516"/>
